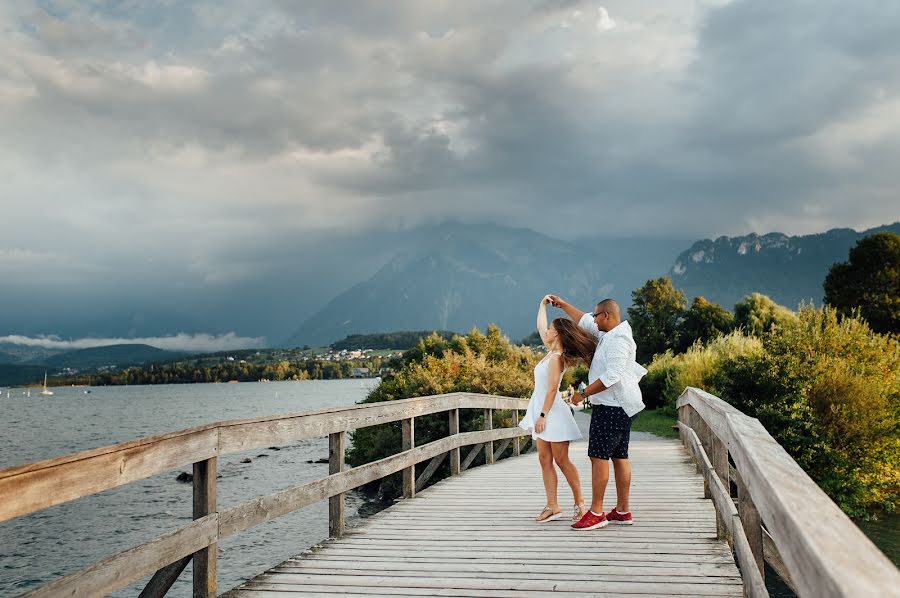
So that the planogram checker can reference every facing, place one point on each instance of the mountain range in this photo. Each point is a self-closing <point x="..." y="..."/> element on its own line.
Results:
<point x="790" y="270"/>
<point x="461" y="276"/>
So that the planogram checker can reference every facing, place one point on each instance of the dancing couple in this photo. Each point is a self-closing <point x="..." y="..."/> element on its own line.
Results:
<point x="603" y="342"/>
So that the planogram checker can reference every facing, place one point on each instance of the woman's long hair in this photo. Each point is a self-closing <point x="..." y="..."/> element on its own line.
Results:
<point x="577" y="345"/>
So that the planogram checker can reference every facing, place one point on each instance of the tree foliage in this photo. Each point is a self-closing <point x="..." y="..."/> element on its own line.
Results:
<point x="869" y="281"/>
<point x="702" y="322"/>
<point x="657" y="311"/>
<point x="757" y="314"/>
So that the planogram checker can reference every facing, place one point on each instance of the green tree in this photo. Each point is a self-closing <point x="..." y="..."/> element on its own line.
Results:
<point x="655" y="316"/>
<point x="702" y="322"/>
<point x="869" y="281"/>
<point x="756" y="314"/>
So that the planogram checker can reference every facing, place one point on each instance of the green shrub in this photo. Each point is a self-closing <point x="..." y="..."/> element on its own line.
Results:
<point x="828" y="390"/>
<point x="482" y="363"/>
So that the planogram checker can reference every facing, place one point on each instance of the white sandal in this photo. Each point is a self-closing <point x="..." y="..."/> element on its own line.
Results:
<point x="580" y="510"/>
<point x="552" y="517"/>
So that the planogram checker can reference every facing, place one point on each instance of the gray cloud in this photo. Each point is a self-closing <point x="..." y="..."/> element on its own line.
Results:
<point x="199" y="152"/>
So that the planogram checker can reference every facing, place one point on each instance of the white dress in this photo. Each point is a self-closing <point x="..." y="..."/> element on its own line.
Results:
<point x="560" y="424"/>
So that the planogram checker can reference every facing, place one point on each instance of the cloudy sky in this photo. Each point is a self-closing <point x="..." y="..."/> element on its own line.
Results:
<point x="195" y="152"/>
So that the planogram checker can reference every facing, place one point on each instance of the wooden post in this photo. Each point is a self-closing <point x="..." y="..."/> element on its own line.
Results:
<point x="454" y="453"/>
<point x="337" y="446"/>
<point x="517" y="441"/>
<point x="205" y="504"/>
<point x="488" y="446"/>
<point x="752" y="524"/>
<point x="409" y="441"/>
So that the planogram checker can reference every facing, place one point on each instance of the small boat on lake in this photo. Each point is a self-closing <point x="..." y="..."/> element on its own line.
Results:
<point x="46" y="392"/>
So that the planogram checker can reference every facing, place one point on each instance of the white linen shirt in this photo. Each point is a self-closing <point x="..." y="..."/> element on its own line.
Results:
<point x="615" y="365"/>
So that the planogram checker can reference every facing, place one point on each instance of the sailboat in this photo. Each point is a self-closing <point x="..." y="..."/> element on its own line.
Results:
<point x="45" y="392"/>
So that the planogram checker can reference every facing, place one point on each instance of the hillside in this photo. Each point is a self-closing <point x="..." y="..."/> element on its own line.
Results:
<point x="462" y="276"/>
<point x="788" y="269"/>
<point x="110" y="355"/>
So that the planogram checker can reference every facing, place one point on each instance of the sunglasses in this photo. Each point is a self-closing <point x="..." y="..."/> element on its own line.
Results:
<point x="599" y="313"/>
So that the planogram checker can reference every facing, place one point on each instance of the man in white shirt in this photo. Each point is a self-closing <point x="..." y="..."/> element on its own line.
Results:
<point x="615" y="399"/>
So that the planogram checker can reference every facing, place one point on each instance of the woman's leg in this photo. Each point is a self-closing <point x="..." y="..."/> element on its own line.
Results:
<point x="548" y="472"/>
<point x="560" y="452"/>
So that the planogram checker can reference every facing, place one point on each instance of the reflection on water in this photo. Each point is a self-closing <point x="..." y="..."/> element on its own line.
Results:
<point x="74" y="535"/>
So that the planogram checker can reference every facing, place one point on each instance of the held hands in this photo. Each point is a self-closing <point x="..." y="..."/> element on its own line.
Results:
<point x="540" y="425"/>
<point x="555" y="300"/>
<point x="577" y="398"/>
<point x="547" y="300"/>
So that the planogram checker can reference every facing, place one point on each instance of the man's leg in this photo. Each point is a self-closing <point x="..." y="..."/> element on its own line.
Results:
<point x="622" y="468"/>
<point x="599" y="480"/>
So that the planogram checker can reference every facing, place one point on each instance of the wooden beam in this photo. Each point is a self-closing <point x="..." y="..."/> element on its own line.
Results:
<point x="770" y="552"/>
<point x="752" y="524"/>
<point x="204" y="505"/>
<point x="429" y="471"/>
<point x="163" y="579"/>
<point x="501" y="448"/>
<point x="337" y="446"/>
<point x="823" y="551"/>
<point x="454" y="453"/>
<point x="118" y="571"/>
<point x="517" y="441"/>
<point x="471" y="457"/>
<point x="409" y="441"/>
<point x="488" y="446"/>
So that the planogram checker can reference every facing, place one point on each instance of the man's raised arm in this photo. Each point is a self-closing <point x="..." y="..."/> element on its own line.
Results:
<point x="571" y="311"/>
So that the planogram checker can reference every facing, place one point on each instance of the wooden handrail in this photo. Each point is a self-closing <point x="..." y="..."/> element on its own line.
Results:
<point x="788" y="519"/>
<point x="35" y="486"/>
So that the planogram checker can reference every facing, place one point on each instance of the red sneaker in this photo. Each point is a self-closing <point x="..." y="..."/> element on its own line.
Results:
<point x="591" y="521"/>
<point x="620" y="518"/>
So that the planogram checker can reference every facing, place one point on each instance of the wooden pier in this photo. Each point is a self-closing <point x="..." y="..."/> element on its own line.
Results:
<point x="707" y="518"/>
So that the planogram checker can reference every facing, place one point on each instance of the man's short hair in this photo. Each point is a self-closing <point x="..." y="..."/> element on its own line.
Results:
<point x="610" y="306"/>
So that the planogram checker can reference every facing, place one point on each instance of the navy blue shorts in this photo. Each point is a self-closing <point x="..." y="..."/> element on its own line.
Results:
<point x="610" y="432"/>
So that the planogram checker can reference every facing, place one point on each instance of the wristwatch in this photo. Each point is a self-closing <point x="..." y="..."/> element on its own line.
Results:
<point x="543" y="415"/>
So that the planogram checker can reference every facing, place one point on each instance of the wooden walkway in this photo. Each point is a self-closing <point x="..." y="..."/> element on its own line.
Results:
<point x="473" y="535"/>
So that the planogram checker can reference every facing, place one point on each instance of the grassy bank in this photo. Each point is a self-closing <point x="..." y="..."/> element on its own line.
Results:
<point x="654" y="421"/>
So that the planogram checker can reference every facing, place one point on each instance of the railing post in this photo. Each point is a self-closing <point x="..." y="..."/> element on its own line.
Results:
<point x="408" y="426"/>
<point x="517" y="441"/>
<point x="454" y="453"/>
<point x="205" y="504"/>
<point x="752" y="524"/>
<point x="488" y="446"/>
<point x="337" y="446"/>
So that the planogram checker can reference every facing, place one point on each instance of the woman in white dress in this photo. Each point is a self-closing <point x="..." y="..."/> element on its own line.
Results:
<point x="548" y="417"/>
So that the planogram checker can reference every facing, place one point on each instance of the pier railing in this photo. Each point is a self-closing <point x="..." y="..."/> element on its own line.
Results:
<point x="29" y="488"/>
<point x="771" y="512"/>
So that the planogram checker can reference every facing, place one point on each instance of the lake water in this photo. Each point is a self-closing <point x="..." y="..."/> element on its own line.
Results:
<point x="69" y="537"/>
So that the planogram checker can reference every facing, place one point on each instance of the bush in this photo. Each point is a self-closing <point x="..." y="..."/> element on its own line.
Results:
<point x="826" y="388"/>
<point x="482" y="363"/>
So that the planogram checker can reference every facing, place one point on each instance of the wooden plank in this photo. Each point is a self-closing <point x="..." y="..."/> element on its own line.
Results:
<point x="408" y="427"/>
<point x="248" y="434"/>
<point x="454" y="453"/>
<point x="43" y="484"/>
<point x="119" y="571"/>
<point x="754" y="584"/>
<point x="337" y="447"/>
<point x="265" y="508"/>
<point x="163" y="579"/>
<point x="204" y="505"/>
<point x="822" y="549"/>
